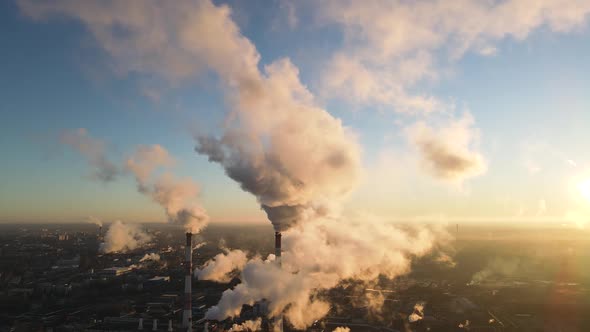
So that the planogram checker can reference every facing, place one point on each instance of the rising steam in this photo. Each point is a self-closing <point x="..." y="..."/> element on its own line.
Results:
<point x="122" y="237"/>
<point x="176" y="196"/>
<point x="219" y="267"/>
<point x="94" y="220"/>
<point x="94" y="150"/>
<point x="320" y="255"/>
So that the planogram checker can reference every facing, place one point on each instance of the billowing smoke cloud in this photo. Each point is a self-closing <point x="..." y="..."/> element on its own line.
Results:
<point x="497" y="267"/>
<point x="122" y="237"/>
<point x="249" y="325"/>
<point x="178" y="197"/>
<point x="447" y="152"/>
<point x="94" y="151"/>
<point x="150" y="257"/>
<point x="94" y="220"/>
<point x="219" y="267"/>
<point x="418" y="313"/>
<point x="274" y="123"/>
<point x="320" y="255"/>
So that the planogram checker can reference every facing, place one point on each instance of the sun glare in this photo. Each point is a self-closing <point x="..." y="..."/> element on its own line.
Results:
<point x="584" y="189"/>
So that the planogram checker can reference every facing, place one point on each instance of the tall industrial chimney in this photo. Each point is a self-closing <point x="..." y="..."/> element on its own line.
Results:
<point x="278" y="324"/>
<point x="187" y="315"/>
<point x="278" y="247"/>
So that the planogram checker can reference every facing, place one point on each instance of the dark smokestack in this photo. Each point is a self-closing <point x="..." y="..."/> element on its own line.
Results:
<point x="99" y="232"/>
<point x="278" y="247"/>
<point x="187" y="316"/>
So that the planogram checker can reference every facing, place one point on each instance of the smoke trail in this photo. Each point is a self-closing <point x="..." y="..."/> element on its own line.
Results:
<point x="122" y="237"/>
<point x="219" y="267"/>
<point x="94" y="152"/>
<point x="94" y="220"/>
<point x="176" y="196"/>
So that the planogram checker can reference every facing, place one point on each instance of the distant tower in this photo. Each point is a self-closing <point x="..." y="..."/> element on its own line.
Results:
<point x="457" y="229"/>
<point x="187" y="315"/>
<point x="278" y="324"/>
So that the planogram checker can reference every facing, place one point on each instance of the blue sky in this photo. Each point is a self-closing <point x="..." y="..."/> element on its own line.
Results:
<point x="529" y="101"/>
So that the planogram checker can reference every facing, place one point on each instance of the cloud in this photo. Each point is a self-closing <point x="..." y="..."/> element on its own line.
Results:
<point x="173" y="40"/>
<point x="94" y="151"/>
<point x="122" y="237"/>
<point x="392" y="46"/>
<point x="447" y="151"/>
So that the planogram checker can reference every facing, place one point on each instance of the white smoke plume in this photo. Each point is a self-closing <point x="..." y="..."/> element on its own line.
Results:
<point x="320" y="255"/>
<point x="220" y="267"/>
<point x="150" y="257"/>
<point x="94" y="220"/>
<point x="94" y="151"/>
<point x="341" y="329"/>
<point x="264" y="157"/>
<point x="418" y="313"/>
<point x="178" y="197"/>
<point x="249" y="325"/>
<point x="122" y="237"/>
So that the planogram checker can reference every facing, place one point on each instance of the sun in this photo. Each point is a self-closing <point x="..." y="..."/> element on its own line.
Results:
<point x="584" y="188"/>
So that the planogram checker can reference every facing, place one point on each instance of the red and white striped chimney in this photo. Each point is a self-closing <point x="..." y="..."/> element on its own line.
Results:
<point x="187" y="315"/>
<point x="278" y="323"/>
<point x="278" y="247"/>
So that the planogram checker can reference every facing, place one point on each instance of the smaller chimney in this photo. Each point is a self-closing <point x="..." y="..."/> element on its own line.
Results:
<point x="278" y="247"/>
<point x="155" y="326"/>
<point x="206" y="328"/>
<point x="170" y="329"/>
<point x="140" y="327"/>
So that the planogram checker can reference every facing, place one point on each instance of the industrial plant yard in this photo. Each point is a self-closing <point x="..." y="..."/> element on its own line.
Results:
<point x="55" y="278"/>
